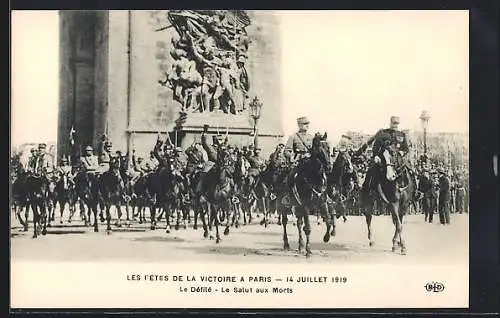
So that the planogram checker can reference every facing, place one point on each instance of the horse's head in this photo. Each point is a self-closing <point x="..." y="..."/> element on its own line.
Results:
<point x="321" y="149"/>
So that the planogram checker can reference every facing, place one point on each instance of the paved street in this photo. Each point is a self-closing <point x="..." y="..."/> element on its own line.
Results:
<point x="427" y="243"/>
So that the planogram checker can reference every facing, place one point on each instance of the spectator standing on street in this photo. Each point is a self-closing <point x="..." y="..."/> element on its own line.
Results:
<point x="444" y="197"/>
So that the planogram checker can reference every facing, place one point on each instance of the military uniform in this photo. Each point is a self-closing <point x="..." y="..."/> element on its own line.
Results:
<point x="300" y="142"/>
<point x="300" y="145"/>
<point x="89" y="163"/>
<point x="385" y="139"/>
<point x="40" y="163"/>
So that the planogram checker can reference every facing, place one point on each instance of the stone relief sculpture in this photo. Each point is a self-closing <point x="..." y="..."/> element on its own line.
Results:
<point x="209" y="52"/>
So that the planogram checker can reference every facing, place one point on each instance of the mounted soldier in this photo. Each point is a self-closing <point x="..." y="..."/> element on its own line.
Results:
<point x="390" y="139"/>
<point x="213" y="153"/>
<point x="89" y="162"/>
<point x="299" y="144"/>
<point x="65" y="168"/>
<point x="105" y="155"/>
<point x="257" y="165"/>
<point x="40" y="163"/>
<point x="195" y="159"/>
<point x="102" y="152"/>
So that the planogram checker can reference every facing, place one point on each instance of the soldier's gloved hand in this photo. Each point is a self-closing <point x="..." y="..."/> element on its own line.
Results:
<point x="377" y="160"/>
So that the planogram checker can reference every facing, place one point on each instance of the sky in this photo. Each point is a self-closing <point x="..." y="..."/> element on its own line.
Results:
<point x="344" y="70"/>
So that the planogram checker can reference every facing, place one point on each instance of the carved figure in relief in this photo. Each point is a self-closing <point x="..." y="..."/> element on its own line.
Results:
<point x="209" y="49"/>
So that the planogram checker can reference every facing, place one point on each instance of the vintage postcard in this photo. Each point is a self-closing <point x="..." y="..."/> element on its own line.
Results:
<point x="239" y="159"/>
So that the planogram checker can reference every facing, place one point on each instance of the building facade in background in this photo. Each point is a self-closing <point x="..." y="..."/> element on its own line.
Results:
<point x="112" y="64"/>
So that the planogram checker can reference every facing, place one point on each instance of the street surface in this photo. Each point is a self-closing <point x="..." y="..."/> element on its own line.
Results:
<point x="426" y="243"/>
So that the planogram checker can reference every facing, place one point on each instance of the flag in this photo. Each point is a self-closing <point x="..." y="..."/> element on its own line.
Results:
<point x="72" y="136"/>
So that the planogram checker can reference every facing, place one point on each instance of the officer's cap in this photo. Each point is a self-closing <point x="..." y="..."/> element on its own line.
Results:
<point x="179" y="149"/>
<point x="302" y="120"/>
<point x="394" y="120"/>
<point x="89" y="148"/>
<point x="241" y="59"/>
<point x="42" y="146"/>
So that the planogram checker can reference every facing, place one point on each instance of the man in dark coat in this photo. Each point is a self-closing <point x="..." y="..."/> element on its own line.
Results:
<point x="444" y="197"/>
<point x="425" y="186"/>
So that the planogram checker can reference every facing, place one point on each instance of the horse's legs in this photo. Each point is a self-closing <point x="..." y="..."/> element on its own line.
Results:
<point x="118" y="208"/>
<point x="286" y="245"/>
<point x="327" y="219"/>
<point x="265" y="216"/>
<point x="92" y="208"/>
<point x="35" y="219"/>
<point x="368" y="217"/>
<point x="168" y="211"/>
<point x="216" y="221"/>
<point x="226" y="209"/>
<point x="152" y="216"/>
<point x="211" y="211"/>
<point x="307" y="230"/>
<point x="44" y="216"/>
<point x="203" y="213"/>
<point x="401" y="240"/>
<point x="62" y="205"/>
<point x="333" y="219"/>
<point x="196" y="211"/>
<point x="299" y="228"/>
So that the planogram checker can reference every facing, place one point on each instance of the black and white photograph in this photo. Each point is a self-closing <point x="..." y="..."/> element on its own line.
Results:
<point x="239" y="158"/>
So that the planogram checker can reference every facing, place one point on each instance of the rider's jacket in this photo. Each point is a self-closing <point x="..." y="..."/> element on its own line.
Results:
<point x="64" y="170"/>
<point x="89" y="163"/>
<point x="389" y="139"/>
<point x="40" y="164"/>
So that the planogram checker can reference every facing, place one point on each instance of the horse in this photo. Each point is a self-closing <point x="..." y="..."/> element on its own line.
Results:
<point x="87" y="191"/>
<point x="168" y="188"/>
<point x="112" y="190"/>
<point x="144" y="191"/>
<point x="220" y="194"/>
<point x="19" y="193"/>
<point x="307" y="186"/>
<point x="37" y="189"/>
<point x="65" y="194"/>
<point x="341" y="182"/>
<point x="245" y="196"/>
<point x="395" y="187"/>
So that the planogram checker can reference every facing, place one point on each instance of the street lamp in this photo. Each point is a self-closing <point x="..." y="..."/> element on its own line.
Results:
<point x="255" y="109"/>
<point x="424" y="119"/>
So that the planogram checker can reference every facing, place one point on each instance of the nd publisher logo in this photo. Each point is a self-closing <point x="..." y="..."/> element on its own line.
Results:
<point x="435" y="287"/>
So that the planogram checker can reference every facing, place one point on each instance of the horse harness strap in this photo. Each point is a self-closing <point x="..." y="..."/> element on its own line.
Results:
<point x="303" y="143"/>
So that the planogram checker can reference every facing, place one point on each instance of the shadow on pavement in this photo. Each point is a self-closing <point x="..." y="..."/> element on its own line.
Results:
<point x="260" y="233"/>
<point x="168" y="239"/>
<point x="66" y="225"/>
<point x="127" y="229"/>
<point x="63" y="232"/>
<point x="240" y="251"/>
<point x="314" y="246"/>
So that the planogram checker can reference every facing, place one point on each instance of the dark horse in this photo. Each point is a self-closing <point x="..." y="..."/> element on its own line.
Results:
<point x="340" y="182"/>
<point x="87" y="190"/>
<point x="65" y="194"/>
<point x="396" y="187"/>
<point x="38" y="189"/>
<point x="112" y="190"/>
<point x="19" y="192"/>
<point x="168" y="185"/>
<point x="308" y="191"/>
<point x="219" y="194"/>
